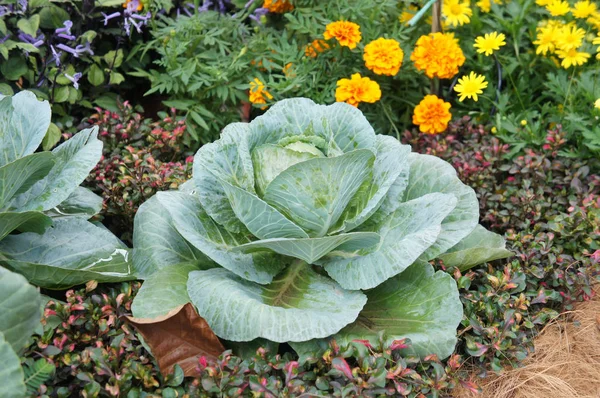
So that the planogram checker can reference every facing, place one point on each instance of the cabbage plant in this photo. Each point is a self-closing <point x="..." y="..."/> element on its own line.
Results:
<point x="44" y="229"/>
<point x="304" y="224"/>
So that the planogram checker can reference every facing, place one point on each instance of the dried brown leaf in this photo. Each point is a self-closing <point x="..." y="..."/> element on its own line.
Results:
<point x="179" y="337"/>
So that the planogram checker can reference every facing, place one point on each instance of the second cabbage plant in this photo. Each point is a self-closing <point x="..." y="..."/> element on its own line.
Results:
<point x="304" y="224"/>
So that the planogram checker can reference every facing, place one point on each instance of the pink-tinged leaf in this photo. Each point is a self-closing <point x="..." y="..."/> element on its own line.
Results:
<point x="402" y="388"/>
<point x="341" y="365"/>
<point x="398" y="344"/>
<point x="366" y="343"/>
<point x="541" y="297"/>
<point x="471" y="386"/>
<point x="476" y="349"/>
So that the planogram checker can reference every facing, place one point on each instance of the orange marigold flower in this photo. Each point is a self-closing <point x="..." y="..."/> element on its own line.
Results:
<point x="438" y="54"/>
<point x="383" y="56"/>
<point x="346" y="33"/>
<point x="317" y="46"/>
<point x="137" y="5"/>
<point x="278" y="6"/>
<point x="357" y="89"/>
<point x="288" y="70"/>
<point x="432" y="115"/>
<point x="258" y="92"/>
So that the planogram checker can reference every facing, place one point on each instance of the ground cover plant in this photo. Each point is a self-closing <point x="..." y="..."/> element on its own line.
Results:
<point x="453" y="184"/>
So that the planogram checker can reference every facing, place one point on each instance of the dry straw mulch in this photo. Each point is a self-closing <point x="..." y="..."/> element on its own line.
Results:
<point x="566" y="362"/>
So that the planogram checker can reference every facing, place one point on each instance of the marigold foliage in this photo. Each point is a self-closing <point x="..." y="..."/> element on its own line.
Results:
<point x="439" y="55"/>
<point x="345" y="32"/>
<point x="357" y="89"/>
<point x="432" y="115"/>
<point x="383" y="56"/>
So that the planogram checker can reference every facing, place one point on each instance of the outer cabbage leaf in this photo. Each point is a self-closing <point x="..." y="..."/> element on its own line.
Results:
<point x="30" y="221"/>
<point x="73" y="161"/>
<point x="389" y="170"/>
<point x="196" y="226"/>
<point x="81" y="203"/>
<point x="227" y="159"/>
<point x="313" y="194"/>
<point x="71" y="252"/>
<point x="18" y="176"/>
<point x="21" y="309"/>
<point x="162" y="292"/>
<point x="430" y="174"/>
<point x="157" y="244"/>
<point x="12" y="379"/>
<point x="479" y="247"/>
<point x="298" y="305"/>
<point x="312" y="249"/>
<point x="405" y="235"/>
<point x="23" y="122"/>
<point x="418" y="304"/>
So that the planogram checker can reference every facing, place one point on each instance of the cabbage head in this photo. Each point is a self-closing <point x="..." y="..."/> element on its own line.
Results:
<point x="304" y="224"/>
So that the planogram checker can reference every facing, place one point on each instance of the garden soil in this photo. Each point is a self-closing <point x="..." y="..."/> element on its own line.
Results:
<point x="566" y="362"/>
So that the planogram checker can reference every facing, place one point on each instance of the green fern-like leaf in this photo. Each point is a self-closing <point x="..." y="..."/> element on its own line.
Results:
<point x="36" y="374"/>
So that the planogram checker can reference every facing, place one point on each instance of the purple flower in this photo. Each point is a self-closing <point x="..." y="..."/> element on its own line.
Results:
<point x="67" y="28"/>
<point x="84" y="49"/>
<point x="4" y="10"/>
<point x="55" y="55"/>
<point x="74" y="79"/>
<point x="35" y="41"/>
<point x="109" y="17"/>
<point x="23" y="4"/>
<point x="132" y="6"/>
<point x="258" y="13"/>
<point x="248" y="4"/>
<point x="5" y="38"/>
<point x="68" y="49"/>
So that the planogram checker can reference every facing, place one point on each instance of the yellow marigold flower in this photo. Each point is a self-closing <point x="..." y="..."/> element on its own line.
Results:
<point x="558" y="8"/>
<point x="258" y="93"/>
<point x="490" y="42"/>
<point x="407" y="14"/>
<point x="584" y="9"/>
<point x="494" y="130"/>
<point x="570" y="37"/>
<point x="543" y="3"/>
<point x="597" y="104"/>
<point x="315" y="48"/>
<point x="432" y="115"/>
<point x="547" y="37"/>
<point x="572" y="57"/>
<point x="470" y="86"/>
<point x="383" y="56"/>
<point x="346" y="33"/>
<point x="357" y="89"/>
<point x="597" y="41"/>
<point x="484" y="5"/>
<point x="278" y="6"/>
<point x="438" y="54"/>
<point x="456" y="12"/>
<point x="523" y="122"/>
